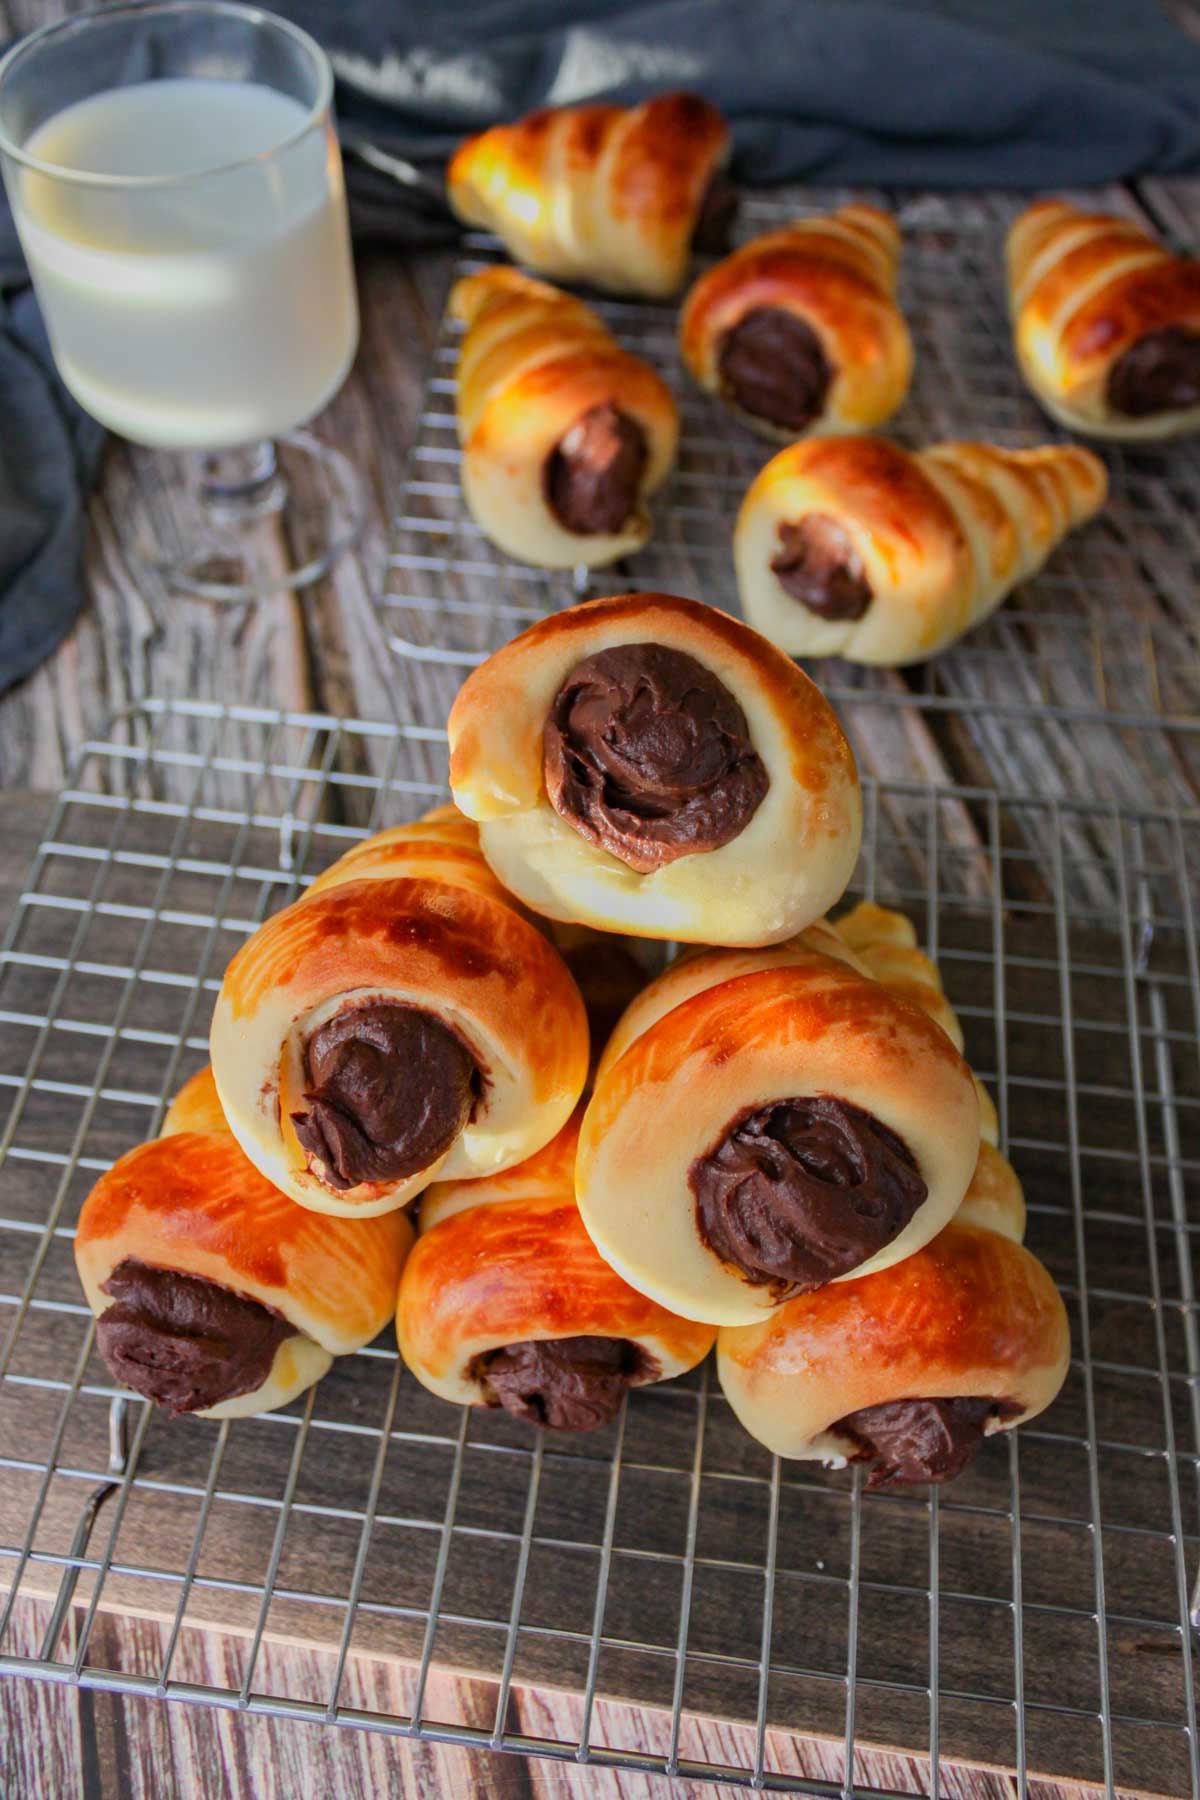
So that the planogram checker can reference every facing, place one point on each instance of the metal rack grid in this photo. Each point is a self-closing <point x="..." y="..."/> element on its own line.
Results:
<point x="1101" y="652"/>
<point x="665" y="1570"/>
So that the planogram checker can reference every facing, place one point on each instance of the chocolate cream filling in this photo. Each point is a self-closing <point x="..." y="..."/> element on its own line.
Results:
<point x="648" y="755"/>
<point x="772" y="366"/>
<point x="593" y="474"/>
<point x="1158" y="373"/>
<point x="389" y="1088"/>
<point x="804" y="1190"/>
<point x="909" y="1441"/>
<point x="183" y="1341"/>
<point x="565" y="1384"/>
<point x="818" y="565"/>
<point x="712" y="233"/>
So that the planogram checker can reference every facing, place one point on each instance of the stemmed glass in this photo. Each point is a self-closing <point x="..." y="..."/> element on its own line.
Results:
<point x="176" y="183"/>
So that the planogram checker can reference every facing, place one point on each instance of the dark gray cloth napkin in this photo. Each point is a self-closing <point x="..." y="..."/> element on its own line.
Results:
<point x="49" y="450"/>
<point x="923" y="93"/>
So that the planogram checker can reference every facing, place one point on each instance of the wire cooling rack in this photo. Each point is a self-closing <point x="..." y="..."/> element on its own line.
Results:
<point x="613" y="1595"/>
<point x="1101" y="652"/>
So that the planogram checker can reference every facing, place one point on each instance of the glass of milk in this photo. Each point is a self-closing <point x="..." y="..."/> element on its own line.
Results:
<point x="177" y="187"/>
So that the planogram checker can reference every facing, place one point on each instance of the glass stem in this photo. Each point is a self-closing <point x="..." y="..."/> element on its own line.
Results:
<point x="239" y="486"/>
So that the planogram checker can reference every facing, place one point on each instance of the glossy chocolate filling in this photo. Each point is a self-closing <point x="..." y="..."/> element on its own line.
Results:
<point x="648" y="755"/>
<point x="772" y="366"/>
<point x="803" y="1191"/>
<point x="183" y="1341"/>
<point x="389" y="1088"/>
<point x="593" y="474"/>
<point x="1158" y="373"/>
<point x="910" y="1441"/>
<point x="564" y="1384"/>
<point x="712" y="233"/>
<point x="819" y="566"/>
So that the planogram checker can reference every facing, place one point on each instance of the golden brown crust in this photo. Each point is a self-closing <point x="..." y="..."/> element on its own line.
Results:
<point x="533" y="362"/>
<point x="195" y="1107"/>
<point x="995" y="1198"/>
<point x="789" y="864"/>
<point x="445" y="941"/>
<point x="885" y="943"/>
<point x="704" y="966"/>
<point x="1083" y="289"/>
<point x="809" y="1025"/>
<point x="941" y="536"/>
<point x="193" y="1202"/>
<point x="605" y="195"/>
<point x="837" y="275"/>
<point x="971" y="1313"/>
<point x="513" y="1263"/>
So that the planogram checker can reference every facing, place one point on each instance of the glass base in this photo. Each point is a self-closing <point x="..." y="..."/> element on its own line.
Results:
<point x="262" y="520"/>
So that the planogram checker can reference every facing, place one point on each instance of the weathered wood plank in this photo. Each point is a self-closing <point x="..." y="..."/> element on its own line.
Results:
<point x="132" y="1747"/>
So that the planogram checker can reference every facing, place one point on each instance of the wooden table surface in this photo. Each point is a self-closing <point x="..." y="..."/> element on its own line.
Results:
<point x="321" y="649"/>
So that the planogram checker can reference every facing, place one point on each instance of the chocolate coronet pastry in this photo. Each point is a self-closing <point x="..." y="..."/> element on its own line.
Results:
<point x="798" y="329"/>
<point x="854" y="546"/>
<point x="724" y="807"/>
<point x="648" y="755"/>
<point x="818" y="565"/>
<point x="594" y="473"/>
<point x="609" y="196"/>
<point x="1106" y="322"/>
<point x="506" y="1301"/>
<point x="564" y="1384"/>
<point x="1157" y="374"/>
<point x="183" y="1341"/>
<point x="804" y="1190"/>
<point x="390" y="1086"/>
<point x="773" y="365"/>
<point x="926" y="1440"/>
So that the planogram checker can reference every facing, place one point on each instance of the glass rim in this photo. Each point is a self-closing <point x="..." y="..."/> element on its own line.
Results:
<point x="99" y="15"/>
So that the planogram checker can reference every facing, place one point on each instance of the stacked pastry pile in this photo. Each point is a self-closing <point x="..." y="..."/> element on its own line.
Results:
<point x="846" y="544"/>
<point x="774" y="1144"/>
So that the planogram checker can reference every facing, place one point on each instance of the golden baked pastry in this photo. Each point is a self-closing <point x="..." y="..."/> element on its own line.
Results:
<point x="565" y="435"/>
<point x="910" y="1367"/>
<point x="402" y="1020"/>
<point x="508" y="1303"/>
<point x="611" y="196"/>
<point x="767" y="1121"/>
<point x="856" y="547"/>
<point x="212" y="1291"/>
<point x="649" y="765"/>
<point x="799" y="330"/>
<point x="1106" y="322"/>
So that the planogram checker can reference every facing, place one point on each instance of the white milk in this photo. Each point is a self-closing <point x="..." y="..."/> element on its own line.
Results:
<point x="203" y="315"/>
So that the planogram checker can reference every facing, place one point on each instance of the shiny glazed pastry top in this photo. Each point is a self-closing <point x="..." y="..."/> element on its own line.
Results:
<point x="1106" y="322"/>
<point x="508" y="1302"/>
<point x="565" y="435"/>
<point x="648" y="764"/>
<point x="909" y="1368"/>
<point x="799" y="331"/>
<point x="856" y="547"/>
<point x="767" y="1121"/>
<point x="613" y="197"/>
<point x="213" y="1293"/>
<point x="402" y="1019"/>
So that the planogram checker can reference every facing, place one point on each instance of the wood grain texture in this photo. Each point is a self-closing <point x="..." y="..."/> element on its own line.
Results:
<point x="102" y="1746"/>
